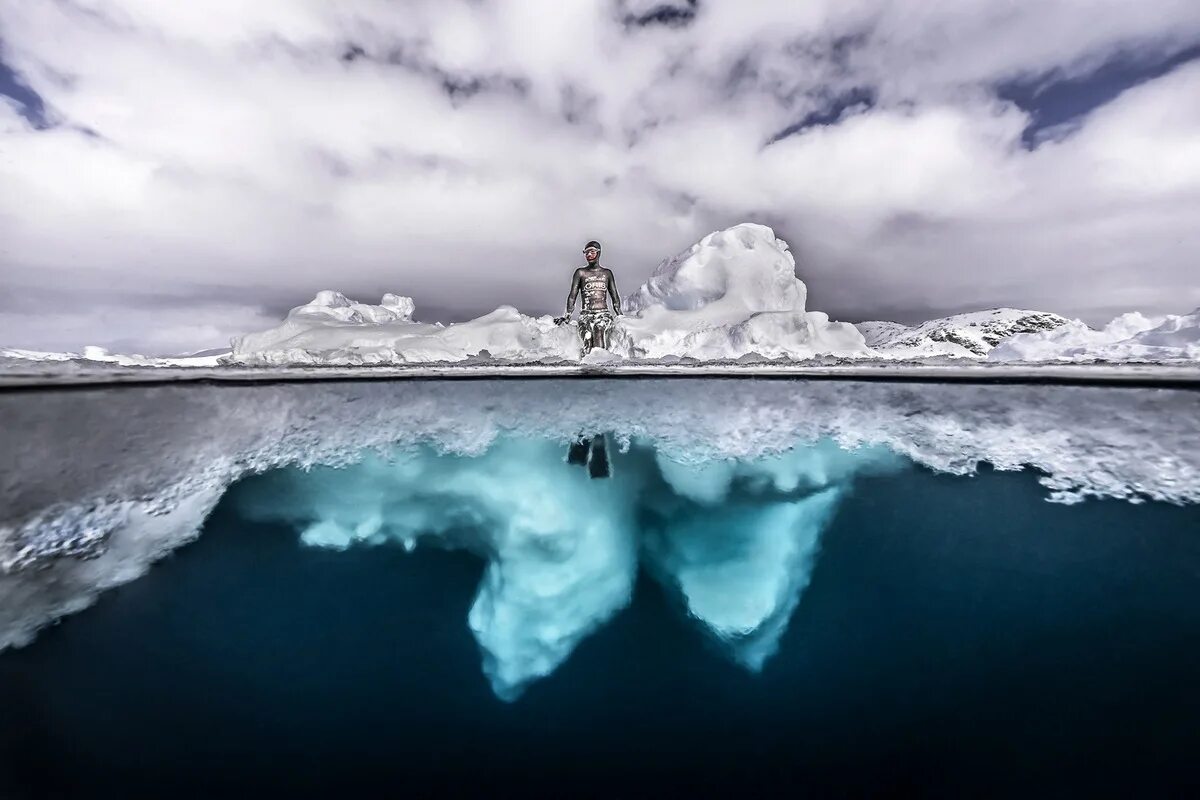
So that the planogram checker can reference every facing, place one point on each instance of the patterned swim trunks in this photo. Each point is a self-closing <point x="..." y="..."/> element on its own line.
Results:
<point x="595" y="320"/>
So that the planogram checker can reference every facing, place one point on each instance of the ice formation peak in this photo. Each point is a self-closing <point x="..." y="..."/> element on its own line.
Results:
<point x="732" y="294"/>
<point x="743" y="268"/>
<point x="335" y="306"/>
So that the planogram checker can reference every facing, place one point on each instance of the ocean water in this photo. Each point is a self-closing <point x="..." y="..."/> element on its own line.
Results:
<point x="760" y="587"/>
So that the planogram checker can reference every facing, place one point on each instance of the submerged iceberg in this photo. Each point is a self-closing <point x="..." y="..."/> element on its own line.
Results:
<point x="722" y="490"/>
<point x="563" y="549"/>
<point x="1129" y="337"/>
<point x="732" y="294"/>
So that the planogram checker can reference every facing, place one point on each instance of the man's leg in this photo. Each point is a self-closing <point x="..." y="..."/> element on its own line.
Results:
<point x="577" y="451"/>
<point x="598" y="466"/>
<point x="587" y="333"/>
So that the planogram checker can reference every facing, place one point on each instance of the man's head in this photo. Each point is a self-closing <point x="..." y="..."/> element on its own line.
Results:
<point x="591" y="251"/>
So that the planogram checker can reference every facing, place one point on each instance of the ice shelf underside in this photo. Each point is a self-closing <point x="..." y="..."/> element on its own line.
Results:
<point x="1172" y="376"/>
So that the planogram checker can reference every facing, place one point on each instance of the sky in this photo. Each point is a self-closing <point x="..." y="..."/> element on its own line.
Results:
<point x="173" y="174"/>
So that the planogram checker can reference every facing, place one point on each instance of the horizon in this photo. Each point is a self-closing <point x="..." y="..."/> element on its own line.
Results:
<point x="178" y="177"/>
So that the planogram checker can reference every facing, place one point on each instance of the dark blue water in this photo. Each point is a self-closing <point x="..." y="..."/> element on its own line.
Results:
<point x="959" y="636"/>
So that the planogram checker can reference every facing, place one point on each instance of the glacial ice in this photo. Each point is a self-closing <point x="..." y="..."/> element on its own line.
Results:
<point x="721" y="489"/>
<point x="733" y="293"/>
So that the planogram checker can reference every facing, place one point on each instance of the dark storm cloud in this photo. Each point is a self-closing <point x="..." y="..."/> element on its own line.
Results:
<point x="176" y="170"/>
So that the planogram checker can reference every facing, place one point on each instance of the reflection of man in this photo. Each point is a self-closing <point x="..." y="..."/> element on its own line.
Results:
<point x="597" y="284"/>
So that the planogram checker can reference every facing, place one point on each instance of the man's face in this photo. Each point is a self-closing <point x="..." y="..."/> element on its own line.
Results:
<point x="591" y="254"/>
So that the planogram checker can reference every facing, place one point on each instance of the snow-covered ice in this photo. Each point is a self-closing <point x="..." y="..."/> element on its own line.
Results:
<point x="734" y="483"/>
<point x="99" y="355"/>
<point x="1129" y="337"/>
<point x="970" y="336"/>
<point x="733" y="293"/>
<point x="732" y="296"/>
<point x="334" y="330"/>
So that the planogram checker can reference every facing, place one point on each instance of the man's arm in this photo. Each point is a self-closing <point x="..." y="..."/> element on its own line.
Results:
<point x="612" y="292"/>
<point x="572" y="294"/>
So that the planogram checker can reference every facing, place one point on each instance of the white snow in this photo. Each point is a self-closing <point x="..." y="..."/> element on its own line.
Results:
<point x="1129" y="337"/>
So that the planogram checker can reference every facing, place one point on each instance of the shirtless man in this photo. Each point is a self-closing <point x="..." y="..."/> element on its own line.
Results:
<point x="597" y="284"/>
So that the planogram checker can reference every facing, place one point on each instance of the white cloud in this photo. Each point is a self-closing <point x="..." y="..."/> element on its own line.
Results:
<point x="233" y="145"/>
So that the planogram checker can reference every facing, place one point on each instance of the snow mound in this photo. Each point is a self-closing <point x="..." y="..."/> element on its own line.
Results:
<point x="1129" y="337"/>
<point x="335" y="330"/>
<point x="970" y="335"/>
<point x="733" y="293"/>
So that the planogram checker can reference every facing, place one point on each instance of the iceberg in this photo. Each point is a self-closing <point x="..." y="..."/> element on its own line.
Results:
<point x="562" y="549"/>
<point x="1129" y="337"/>
<point x="732" y="294"/>
<point x="721" y="490"/>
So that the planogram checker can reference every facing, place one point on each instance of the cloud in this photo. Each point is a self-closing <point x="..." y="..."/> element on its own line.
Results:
<point x="461" y="152"/>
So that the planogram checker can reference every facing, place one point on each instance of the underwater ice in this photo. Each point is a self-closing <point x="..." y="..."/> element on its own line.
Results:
<point x="721" y="490"/>
<point x="734" y="539"/>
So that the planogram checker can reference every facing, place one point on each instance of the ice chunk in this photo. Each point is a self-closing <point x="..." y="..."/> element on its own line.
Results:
<point x="334" y="330"/>
<point x="733" y="293"/>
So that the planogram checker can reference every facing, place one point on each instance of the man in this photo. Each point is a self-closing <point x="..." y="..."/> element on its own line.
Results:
<point x="597" y="285"/>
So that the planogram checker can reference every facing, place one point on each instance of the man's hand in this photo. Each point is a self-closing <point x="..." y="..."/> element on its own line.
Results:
<point x="560" y="320"/>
